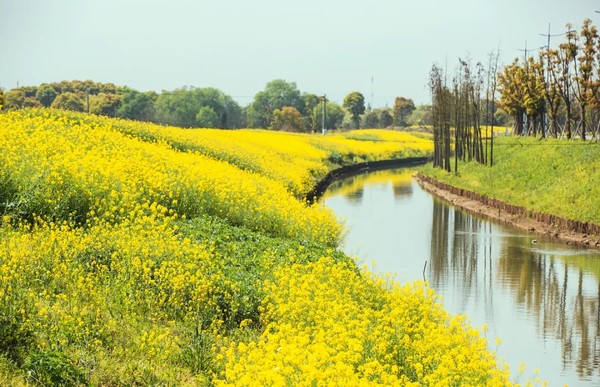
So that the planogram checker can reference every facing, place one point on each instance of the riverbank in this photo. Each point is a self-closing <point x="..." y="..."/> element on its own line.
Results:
<point x="570" y="231"/>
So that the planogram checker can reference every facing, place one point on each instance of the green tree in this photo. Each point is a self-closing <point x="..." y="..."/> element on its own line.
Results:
<point x="311" y="101"/>
<point x="181" y="107"/>
<point x="138" y="106"/>
<point x="402" y="109"/>
<point x="421" y="116"/>
<point x="108" y="88"/>
<point x="207" y="117"/>
<point x="46" y="94"/>
<point x="228" y="110"/>
<point x="177" y="108"/>
<point x="511" y="85"/>
<point x="243" y="121"/>
<point x="534" y="103"/>
<point x="333" y="118"/>
<point x="347" y="122"/>
<point x="21" y="98"/>
<point x="371" y="120"/>
<point x="2" y="99"/>
<point x="15" y="99"/>
<point x="105" y="104"/>
<point x="277" y="94"/>
<point x="68" y="101"/>
<point x="30" y="91"/>
<point x="385" y="118"/>
<point x="354" y="103"/>
<point x="502" y="118"/>
<point x="31" y="102"/>
<point x="287" y="118"/>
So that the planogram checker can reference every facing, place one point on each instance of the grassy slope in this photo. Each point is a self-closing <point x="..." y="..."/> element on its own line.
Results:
<point x="550" y="176"/>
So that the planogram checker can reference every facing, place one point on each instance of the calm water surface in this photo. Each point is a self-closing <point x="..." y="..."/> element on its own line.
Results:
<point x="539" y="296"/>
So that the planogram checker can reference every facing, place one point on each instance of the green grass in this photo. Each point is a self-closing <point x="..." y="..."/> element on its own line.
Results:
<point x="550" y="176"/>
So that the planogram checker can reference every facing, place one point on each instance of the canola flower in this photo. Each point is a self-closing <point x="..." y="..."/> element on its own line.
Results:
<point x="362" y="331"/>
<point x="363" y="145"/>
<point x="135" y="254"/>
<point x="284" y="157"/>
<point x="57" y="167"/>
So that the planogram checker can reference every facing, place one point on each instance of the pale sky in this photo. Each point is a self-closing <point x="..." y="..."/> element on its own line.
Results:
<point x="328" y="47"/>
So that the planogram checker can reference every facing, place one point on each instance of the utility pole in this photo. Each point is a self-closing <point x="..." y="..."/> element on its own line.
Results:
<point x="549" y="35"/>
<point x="525" y="123"/>
<point x="533" y="49"/>
<point x="525" y="55"/>
<point x="324" y="99"/>
<point x="546" y="117"/>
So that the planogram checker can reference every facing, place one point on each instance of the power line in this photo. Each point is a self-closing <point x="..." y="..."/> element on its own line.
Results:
<point x="544" y="144"/>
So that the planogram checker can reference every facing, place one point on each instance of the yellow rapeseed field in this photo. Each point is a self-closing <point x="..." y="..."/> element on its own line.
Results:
<point x="137" y="254"/>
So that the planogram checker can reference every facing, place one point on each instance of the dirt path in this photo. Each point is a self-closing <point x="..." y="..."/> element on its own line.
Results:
<point x="520" y="221"/>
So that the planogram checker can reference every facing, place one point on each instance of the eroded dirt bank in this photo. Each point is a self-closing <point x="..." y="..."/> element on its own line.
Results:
<point x="570" y="231"/>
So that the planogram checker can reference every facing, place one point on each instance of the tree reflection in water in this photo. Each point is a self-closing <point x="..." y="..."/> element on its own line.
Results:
<point x="352" y="187"/>
<point x="557" y="286"/>
<point x="563" y="297"/>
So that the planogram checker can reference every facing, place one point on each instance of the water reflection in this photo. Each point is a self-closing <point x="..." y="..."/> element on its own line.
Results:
<point x="402" y="189"/>
<point x="473" y="259"/>
<point x="563" y="298"/>
<point x="541" y="298"/>
<point x="352" y="188"/>
<point x="461" y="260"/>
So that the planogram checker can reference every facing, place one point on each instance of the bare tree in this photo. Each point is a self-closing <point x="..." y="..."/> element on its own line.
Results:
<point x="490" y="97"/>
<point x="440" y="96"/>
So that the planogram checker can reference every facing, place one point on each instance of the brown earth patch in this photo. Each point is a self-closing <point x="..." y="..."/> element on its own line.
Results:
<point x="570" y="231"/>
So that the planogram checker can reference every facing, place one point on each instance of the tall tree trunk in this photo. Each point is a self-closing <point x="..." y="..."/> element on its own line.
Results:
<point x="568" y="123"/>
<point x="583" y="121"/>
<point x="518" y="123"/>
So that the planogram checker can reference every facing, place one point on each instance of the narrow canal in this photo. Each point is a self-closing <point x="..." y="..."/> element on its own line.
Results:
<point x="540" y="297"/>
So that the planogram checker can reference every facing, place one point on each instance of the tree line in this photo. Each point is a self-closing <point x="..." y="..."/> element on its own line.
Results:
<point x="556" y="93"/>
<point x="464" y="112"/>
<point x="280" y="106"/>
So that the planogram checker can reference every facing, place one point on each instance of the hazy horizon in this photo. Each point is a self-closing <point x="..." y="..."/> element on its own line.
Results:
<point x="331" y="48"/>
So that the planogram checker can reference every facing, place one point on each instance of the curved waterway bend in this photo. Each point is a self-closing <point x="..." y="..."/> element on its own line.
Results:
<point x="539" y="296"/>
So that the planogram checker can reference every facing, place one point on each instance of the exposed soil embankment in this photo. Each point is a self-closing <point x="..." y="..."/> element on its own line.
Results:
<point x="355" y="169"/>
<point x="571" y="231"/>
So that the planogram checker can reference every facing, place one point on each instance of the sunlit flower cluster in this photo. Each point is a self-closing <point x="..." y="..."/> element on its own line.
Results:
<point x="374" y="144"/>
<point x="284" y="157"/>
<point x="60" y="167"/>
